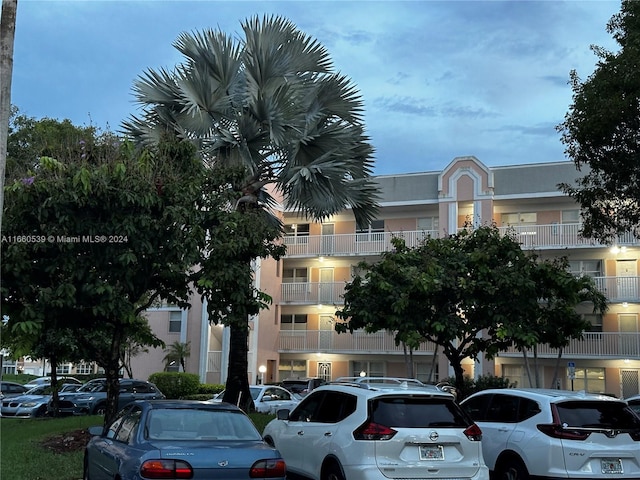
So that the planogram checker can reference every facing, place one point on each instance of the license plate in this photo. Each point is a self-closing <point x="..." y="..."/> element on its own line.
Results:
<point x="431" y="452"/>
<point x="611" y="465"/>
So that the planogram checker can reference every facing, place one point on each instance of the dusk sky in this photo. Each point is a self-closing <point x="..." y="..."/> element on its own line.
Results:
<point x="439" y="79"/>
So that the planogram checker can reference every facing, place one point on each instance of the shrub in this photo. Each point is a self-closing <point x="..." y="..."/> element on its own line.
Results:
<point x="176" y="384"/>
<point x="210" y="388"/>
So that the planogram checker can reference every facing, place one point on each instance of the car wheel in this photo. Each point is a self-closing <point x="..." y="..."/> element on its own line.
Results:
<point x="41" y="412"/>
<point x="513" y="469"/>
<point x="332" y="472"/>
<point x="100" y="409"/>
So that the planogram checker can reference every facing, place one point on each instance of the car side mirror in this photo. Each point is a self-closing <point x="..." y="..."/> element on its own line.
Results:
<point x="267" y="398"/>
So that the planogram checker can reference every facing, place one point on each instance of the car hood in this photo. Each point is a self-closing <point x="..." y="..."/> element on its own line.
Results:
<point x="30" y="398"/>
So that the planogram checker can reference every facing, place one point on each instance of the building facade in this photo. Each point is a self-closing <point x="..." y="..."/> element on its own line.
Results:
<point x="296" y="337"/>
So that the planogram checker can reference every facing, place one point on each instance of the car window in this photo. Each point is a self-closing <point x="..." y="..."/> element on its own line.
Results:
<point x="306" y="410"/>
<point x="528" y="408"/>
<point x="417" y="412"/>
<point x="335" y="407"/>
<point x="141" y="387"/>
<point x="476" y="407"/>
<point x="503" y="409"/>
<point x="115" y="425"/>
<point x="129" y="425"/>
<point x="597" y="414"/>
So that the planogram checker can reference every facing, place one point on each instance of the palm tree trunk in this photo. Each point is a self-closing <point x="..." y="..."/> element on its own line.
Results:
<point x="434" y="360"/>
<point x="526" y="366"/>
<point x="7" y="35"/>
<point x="536" y="372"/>
<point x="237" y="386"/>
<point x="556" y="369"/>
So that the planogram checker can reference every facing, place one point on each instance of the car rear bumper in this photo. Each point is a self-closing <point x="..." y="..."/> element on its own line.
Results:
<point x="372" y="472"/>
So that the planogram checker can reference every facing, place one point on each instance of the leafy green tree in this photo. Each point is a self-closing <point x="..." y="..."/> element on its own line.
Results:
<point x="600" y="133"/>
<point x="271" y="105"/>
<point x="468" y="293"/>
<point x="90" y="242"/>
<point x="178" y="352"/>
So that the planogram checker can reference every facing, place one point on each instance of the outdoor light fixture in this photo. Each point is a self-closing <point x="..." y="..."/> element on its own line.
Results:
<point x="262" y="369"/>
<point x="363" y="373"/>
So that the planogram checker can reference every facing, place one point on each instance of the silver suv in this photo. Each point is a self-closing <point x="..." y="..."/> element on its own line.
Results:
<point x="539" y="433"/>
<point x="378" y="429"/>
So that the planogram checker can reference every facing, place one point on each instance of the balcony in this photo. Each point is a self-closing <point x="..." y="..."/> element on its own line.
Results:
<point x="312" y="293"/>
<point x="611" y="345"/>
<point x="530" y="236"/>
<point x="619" y="289"/>
<point x="330" y="341"/>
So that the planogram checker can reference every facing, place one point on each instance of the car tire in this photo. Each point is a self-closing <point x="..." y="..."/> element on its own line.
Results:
<point x="41" y="412"/>
<point x="332" y="472"/>
<point x="100" y="409"/>
<point x="512" y="469"/>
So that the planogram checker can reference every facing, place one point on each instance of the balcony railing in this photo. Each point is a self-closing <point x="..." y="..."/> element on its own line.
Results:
<point x="313" y="341"/>
<point x="555" y="235"/>
<point x="593" y="345"/>
<point x="617" y="289"/>
<point x="313" y="293"/>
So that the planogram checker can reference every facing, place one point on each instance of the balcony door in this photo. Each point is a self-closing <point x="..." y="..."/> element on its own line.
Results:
<point x="629" y="342"/>
<point x="325" y="287"/>
<point x="627" y="279"/>
<point x="326" y="332"/>
<point x="328" y="239"/>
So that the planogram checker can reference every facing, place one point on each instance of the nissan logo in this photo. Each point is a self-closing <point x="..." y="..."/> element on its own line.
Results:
<point x="433" y="436"/>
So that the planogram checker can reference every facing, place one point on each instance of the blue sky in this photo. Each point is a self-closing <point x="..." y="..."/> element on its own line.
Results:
<point x="439" y="79"/>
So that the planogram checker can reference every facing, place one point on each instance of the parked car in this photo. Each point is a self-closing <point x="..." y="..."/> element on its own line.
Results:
<point x="369" y="430"/>
<point x="302" y="386"/>
<point x="11" y="389"/>
<point x="33" y="403"/>
<point x="267" y="398"/>
<point x="634" y="403"/>
<point x="91" y="398"/>
<point x="181" y="439"/>
<point x="47" y="381"/>
<point x="543" y="433"/>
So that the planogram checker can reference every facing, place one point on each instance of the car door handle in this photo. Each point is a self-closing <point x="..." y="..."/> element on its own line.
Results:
<point x="327" y="434"/>
<point x="300" y="432"/>
<point x="503" y="429"/>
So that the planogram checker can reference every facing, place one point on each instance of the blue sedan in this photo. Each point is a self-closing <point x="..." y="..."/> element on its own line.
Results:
<point x="180" y="439"/>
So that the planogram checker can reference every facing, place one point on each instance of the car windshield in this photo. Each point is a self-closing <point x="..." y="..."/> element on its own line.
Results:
<point x="91" y="387"/>
<point x="597" y="415"/>
<point x="40" y="390"/>
<point x="200" y="424"/>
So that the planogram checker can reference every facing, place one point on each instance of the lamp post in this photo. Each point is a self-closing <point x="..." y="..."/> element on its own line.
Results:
<point x="262" y="369"/>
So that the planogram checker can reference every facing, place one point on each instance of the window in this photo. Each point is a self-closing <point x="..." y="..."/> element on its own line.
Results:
<point x="515" y="374"/>
<point x="591" y="268"/>
<point x="374" y="232"/>
<point x="292" y="369"/>
<point x="424" y="373"/>
<point x="589" y="379"/>
<point x="294" y="275"/>
<point x="175" y="322"/>
<point x="293" y="322"/>
<point x="64" y="368"/>
<point x="516" y="219"/>
<point x="428" y="224"/>
<point x="571" y="216"/>
<point x="84" y="368"/>
<point x="298" y="230"/>
<point x="371" y="369"/>
<point x="595" y="319"/>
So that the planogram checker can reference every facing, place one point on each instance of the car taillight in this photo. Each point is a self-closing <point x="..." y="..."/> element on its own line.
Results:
<point x="557" y="431"/>
<point x="473" y="433"/>
<point x="268" y="468"/>
<point x="173" y="469"/>
<point x="374" y="431"/>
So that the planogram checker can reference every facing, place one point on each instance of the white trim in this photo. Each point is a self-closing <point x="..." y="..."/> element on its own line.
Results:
<point x="205" y="334"/>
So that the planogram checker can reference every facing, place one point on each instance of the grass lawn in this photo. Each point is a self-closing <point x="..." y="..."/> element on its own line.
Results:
<point x="22" y="457"/>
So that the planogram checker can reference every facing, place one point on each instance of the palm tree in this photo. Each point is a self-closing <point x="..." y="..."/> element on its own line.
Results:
<point x="272" y="105"/>
<point x="178" y="352"/>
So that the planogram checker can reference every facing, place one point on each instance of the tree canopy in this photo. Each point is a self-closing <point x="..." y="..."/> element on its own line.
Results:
<point x="270" y="106"/>
<point x="90" y="241"/>
<point x="472" y="292"/>
<point x="600" y="133"/>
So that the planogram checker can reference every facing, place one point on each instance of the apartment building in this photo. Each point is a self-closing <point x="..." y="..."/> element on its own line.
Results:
<point x="295" y="337"/>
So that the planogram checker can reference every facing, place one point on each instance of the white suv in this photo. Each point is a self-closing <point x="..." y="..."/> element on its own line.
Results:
<point x="539" y="433"/>
<point x="365" y="430"/>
